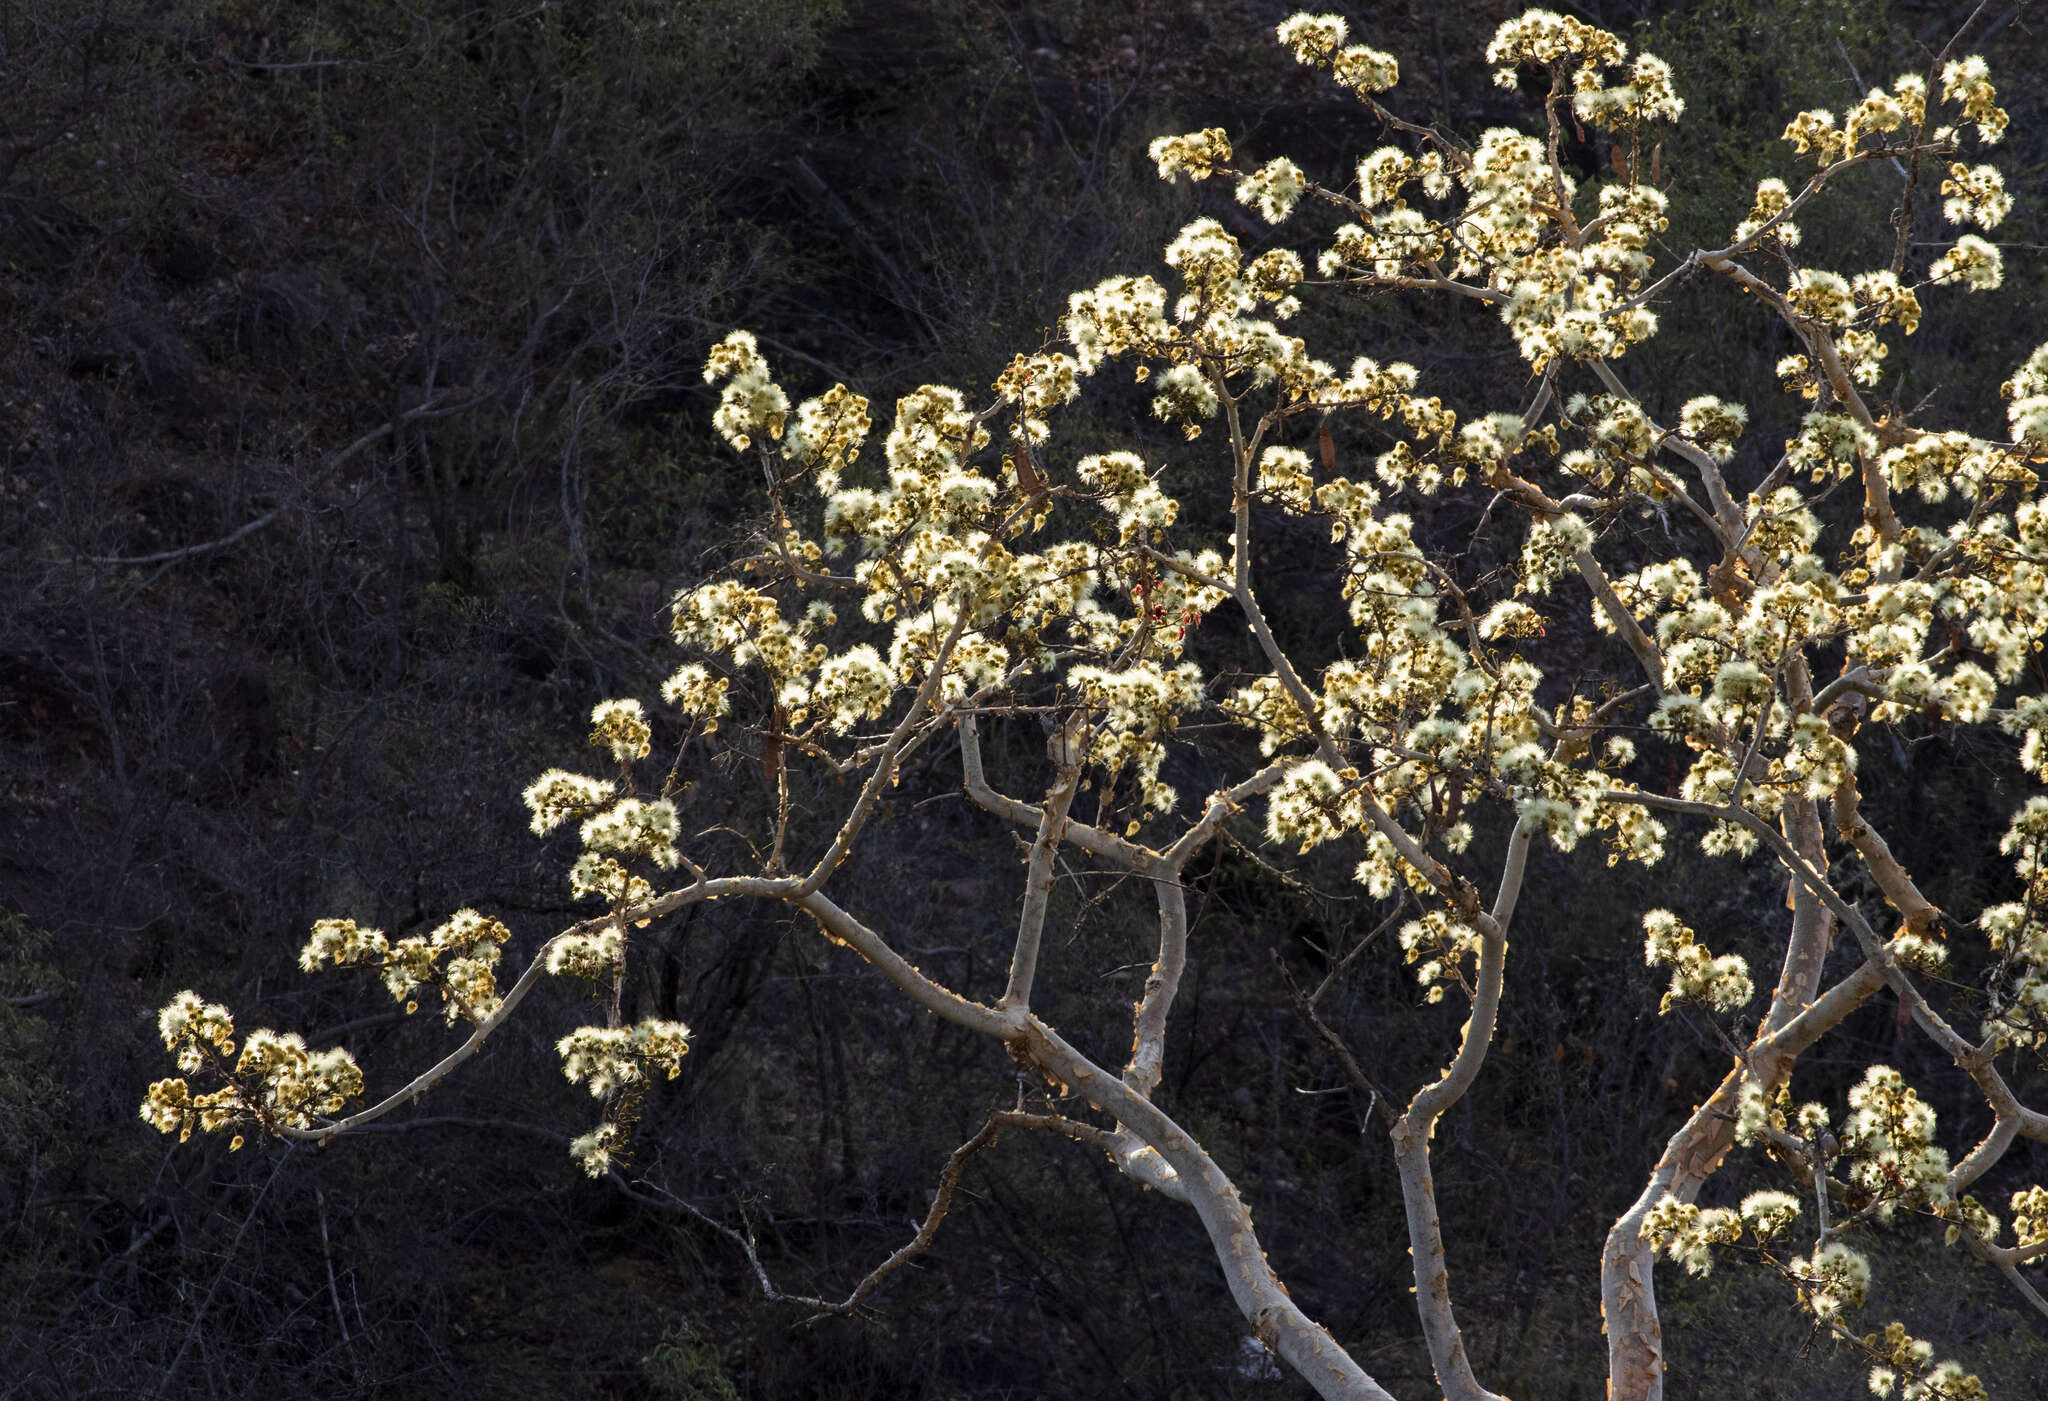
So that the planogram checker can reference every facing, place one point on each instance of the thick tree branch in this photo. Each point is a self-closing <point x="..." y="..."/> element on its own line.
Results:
<point x="885" y="765"/>
<point x="1038" y="877"/>
<point x="1639" y="642"/>
<point x="1275" y="1319"/>
<point x="842" y="928"/>
<point x="1148" y="1031"/>
<point x="1117" y="851"/>
<point x="1973" y="1060"/>
<point x="1413" y="1131"/>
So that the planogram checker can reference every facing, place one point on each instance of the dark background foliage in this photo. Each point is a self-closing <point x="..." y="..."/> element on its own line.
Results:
<point x="351" y="441"/>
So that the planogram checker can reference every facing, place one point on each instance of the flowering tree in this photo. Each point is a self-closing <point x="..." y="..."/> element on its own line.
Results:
<point x="933" y="595"/>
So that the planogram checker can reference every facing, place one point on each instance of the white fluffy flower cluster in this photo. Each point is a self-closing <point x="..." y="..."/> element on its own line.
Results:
<point x="1722" y="983"/>
<point x="595" y="954"/>
<point x="752" y="403"/>
<point x="698" y="694"/>
<point x="1318" y="42"/>
<point x="1037" y="384"/>
<point x="192" y="1027"/>
<point x="1713" y="425"/>
<point x="1892" y="302"/>
<point x="1878" y="113"/>
<point x="558" y="795"/>
<point x="1552" y="549"/>
<point x="1976" y="195"/>
<point x="1822" y="297"/>
<point x="459" y="958"/>
<point x="1769" y="1214"/>
<point x="1544" y="37"/>
<point x="1274" y="189"/>
<point x="1139" y="707"/>
<point x="594" y="1151"/>
<point x="1689" y="1233"/>
<point x="2028" y="410"/>
<point x="1967" y="82"/>
<point x="1440" y="947"/>
<point x="1889" y="1138"/>
<point x="621" y="726"/>
<point x="1286" y="479"/>
<point x="616" y="839"/>
<point x="1118" y="316"/>
<point x="275" y="1082"/>
<point x="2018" y="1014"/>
<point x="1772" y="200"/>
<point x="1814" y="130"/>
<point x="296" y="1086"/>
<point x="828" y="434"/>
<point x="1646" y="95"/>
<point x="612" y="1058"/>
<point x="1832" y="1281"/>
<point x="1212" y="328"/>
<point x="2030" y="1216"/>
<point x="633" y="828"/>
<point x="1197" y="155"/>
<point x="1973" y="262"/>
<point x="1383" y="174"/>
<point x="1183" y="396"/>
<point x="852" y="686"/>
<point x="1310" y="806"/>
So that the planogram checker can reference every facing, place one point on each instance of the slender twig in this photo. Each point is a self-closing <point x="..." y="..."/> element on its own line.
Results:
<point x="227" y="1262"/>
<point x="1305" y="1006"/>
<point x="927" y="1230"/>
<point x="333" y="461"/>
<point x="327" y="1255"/>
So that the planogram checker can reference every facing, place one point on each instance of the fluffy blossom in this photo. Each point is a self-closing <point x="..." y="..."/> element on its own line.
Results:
<point x="1196" y="155"/>
<point x="611" y="1058"/>
<point x="621" y="726"/>
<point x="1274" y="189"/>
<point x="1967" y="82"/>
<point x="1976" y="195"/>
<point x="1973" y="262"/>
<point x="751" y="403"/>
<point x="558" y="795"/>
<point x="1696" y="975"/>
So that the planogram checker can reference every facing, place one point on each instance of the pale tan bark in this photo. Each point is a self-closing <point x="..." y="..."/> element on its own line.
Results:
<point x="1148" y="1146"/>
<point x="1627" y="1289"/>
<point x="1275" y="1319"/>
<point x="1414" y="1129"/>
<point x="1038" y="876"/>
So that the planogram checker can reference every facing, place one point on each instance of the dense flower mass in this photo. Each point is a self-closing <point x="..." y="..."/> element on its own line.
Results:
<point x="751" y="404"/>
<point x="276" y="1082"/>
<point x="1696" y="975"/>
<point x="1775" y="615"/>
<point x="621" y="726"/>
<point x="459" y="959"/>
<point x="1195" y="155"/>
<point x="609" y="1058"/>
<point x="558" y="795"/>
